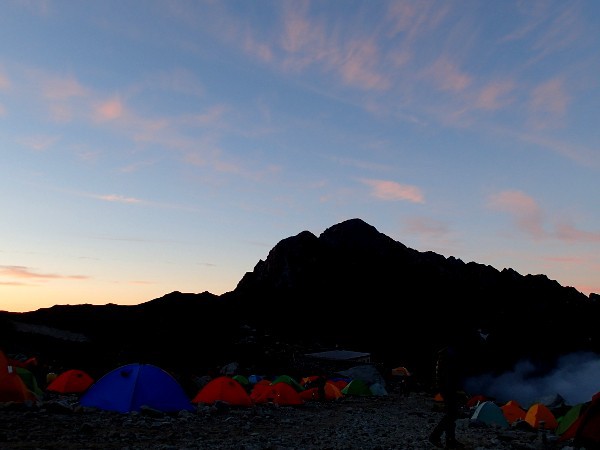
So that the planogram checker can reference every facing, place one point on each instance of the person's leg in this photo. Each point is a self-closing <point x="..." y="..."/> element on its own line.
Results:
<point x="450" y="424"/>
<point x="436" y="435"/>
<point x="451" y="417"/>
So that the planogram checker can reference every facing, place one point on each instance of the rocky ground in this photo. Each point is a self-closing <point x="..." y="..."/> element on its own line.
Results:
<point x="388" y="422"/>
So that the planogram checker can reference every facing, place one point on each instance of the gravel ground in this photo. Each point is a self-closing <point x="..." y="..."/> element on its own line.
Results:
<point x="388" y="422"/>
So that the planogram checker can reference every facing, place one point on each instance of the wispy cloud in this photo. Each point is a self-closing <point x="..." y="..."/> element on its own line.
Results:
<point x="393" y="191"/>
<point x="415" y="19"/>
<point x="4" y="81"/>
<point x="426" y="226"/>
<point x="447" y="76"/>
<point x="495" y="95"/>
<point x="548" y="103"/>
<point x="23" y="272"/>
<point x="118" y="198"/>
<point x="529" y="218"/>
<point x="524" y="210"/>
<point x="56" y="88"/>
<point x="38" y="143"/>
<point x="568" y="232"/>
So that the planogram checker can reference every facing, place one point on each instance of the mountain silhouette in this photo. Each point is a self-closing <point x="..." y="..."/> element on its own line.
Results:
<point x="352" y="288"/>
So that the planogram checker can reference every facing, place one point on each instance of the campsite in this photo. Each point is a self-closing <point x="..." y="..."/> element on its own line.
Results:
<point x="139" y="382"/>
<point x="143" y="406"/>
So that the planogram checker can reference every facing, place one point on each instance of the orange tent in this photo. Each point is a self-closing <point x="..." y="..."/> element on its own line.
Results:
<point x="400" y="371"/>
<point x="224" y="389"/>
<point x="279" y="394"/>
<point x="332" y="392"/>
<point x="305" y="381"/>
<point x="72" y="381"/>
<point x="341" y="384"/>
<point x="538" y="413"/>
<point x="513" y="411"/>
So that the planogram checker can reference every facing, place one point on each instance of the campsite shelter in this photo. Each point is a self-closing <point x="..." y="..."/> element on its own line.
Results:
<point x="332" y="392"/>
<point x="224" y="389"/>
<point x="241" y="379"/>
<point x="288" y="380"/>
<point x="475" y="400"/>
<point x="12" y="387"/>
<point x="513" y="411"/>
<point x="254" y="378"/>
<point x="539" y="414"/>
<point x="128" y="388"/>
<point x="73" y="381"/>
<point x="357" y="387"/>
<point x="400" y="371"/>
<point x="378" y="389"/>
<point x="279" y="394"/>
<point x="565" y="421"/>
<point x="586" y="428"/>
<point x="29" y="379"/>
<point x="490" y="414"/>
<point x="340" y="382"/>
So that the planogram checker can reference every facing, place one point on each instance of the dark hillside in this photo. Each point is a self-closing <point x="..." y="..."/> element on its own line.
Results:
<point x="352" y="287"/>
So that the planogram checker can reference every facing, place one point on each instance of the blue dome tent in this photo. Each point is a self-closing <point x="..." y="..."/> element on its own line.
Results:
<point x="132" y="386"/>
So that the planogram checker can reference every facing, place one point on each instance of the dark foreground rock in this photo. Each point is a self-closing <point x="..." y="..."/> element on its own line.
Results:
<point x="389" y="422"/>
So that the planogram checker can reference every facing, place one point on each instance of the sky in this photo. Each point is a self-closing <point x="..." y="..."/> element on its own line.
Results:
<point x="157" y="146"/>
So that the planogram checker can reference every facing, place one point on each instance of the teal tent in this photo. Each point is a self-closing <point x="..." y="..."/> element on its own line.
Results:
<point x="490" y="414"/>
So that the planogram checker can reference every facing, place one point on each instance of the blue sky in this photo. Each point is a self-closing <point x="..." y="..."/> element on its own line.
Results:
<point x="154" y="146"/>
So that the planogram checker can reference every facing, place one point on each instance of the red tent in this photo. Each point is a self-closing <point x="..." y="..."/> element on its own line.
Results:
<point x="72" y="381"/>
<point x="224" y="389"/>
<point x="12" y="386"/>
<point x="513" y="411"/>
<point x="279" y="394"/>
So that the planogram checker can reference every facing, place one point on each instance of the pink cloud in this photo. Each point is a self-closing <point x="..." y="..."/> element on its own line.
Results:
<point x="109" y="110"/>
<point x="61" y="89"/>
<point x="570" y="233"/>
<point x="4" y="81"/>
<point x="39" y="143"/>
<point x="118" y="198"/>
<point x="358" y="69"/>
<point x="548" y="103"/>
<point x="261" y="50"/>
<point x="415" y="19"/>
<point x="427" y="226"/>
<point x="298" y="30"/>
<point x="212" y="116"/>
<point x="447" y="76"/>
<point x="494" y="95"/>
<point x="525" y="211"/>
<point x="22" y="272"/>
<point x="306" y="42"/>
<point x="390" y="190"/>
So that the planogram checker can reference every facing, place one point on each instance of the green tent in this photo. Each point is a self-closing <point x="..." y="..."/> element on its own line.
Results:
<point x="565" y="421"/>
<point x="241" y="379"/>
<point x="289" y="380"/>
<point x="357" y="387"/>
<point x="30" y="381"/>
